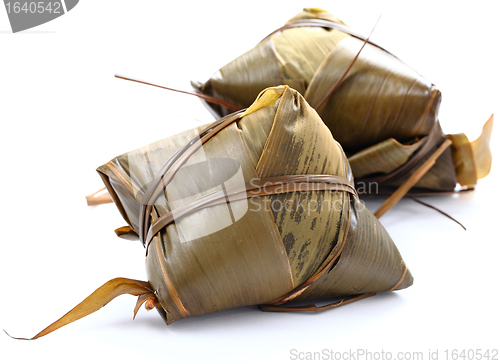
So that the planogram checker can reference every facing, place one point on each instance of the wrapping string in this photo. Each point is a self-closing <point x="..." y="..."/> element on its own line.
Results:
<point x="401" y="280"/>
<point x="334" y="255"/>
<point x="168" y="171"/>
<point x="438" y="210"/>
<point x="325" y="24"/>
<point x="274" y="306"/>
<point x="339" y="82"/>
<point x="255" y="188"/>
<point x="199" y="94"/>
<point x="312" y="307"/>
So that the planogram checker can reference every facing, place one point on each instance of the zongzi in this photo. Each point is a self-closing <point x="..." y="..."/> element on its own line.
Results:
<point x="258" y="208"/>
<point x="383" y="113"/>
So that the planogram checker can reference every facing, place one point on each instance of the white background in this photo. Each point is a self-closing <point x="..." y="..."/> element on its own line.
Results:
<point x="63" y="114"/>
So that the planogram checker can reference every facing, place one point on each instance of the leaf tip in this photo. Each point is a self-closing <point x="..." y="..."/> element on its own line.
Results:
<point x="16" y="338"/>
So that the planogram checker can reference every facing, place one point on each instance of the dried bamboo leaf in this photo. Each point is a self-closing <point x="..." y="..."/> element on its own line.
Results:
<point x="101" y="297"/>
<point x="299" y="56"/>
<point x="140" y="301"/>
<point x="481" y="150"/>
<point x="383" y="157"/>
<point x="464" y="160"/>
<point x="126" y="232"/>
<point x="472" y="159"/>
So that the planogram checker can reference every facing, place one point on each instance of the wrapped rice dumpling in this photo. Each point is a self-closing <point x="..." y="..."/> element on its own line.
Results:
<point x="382" y="112"/>
<point x="256" y="208"/>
